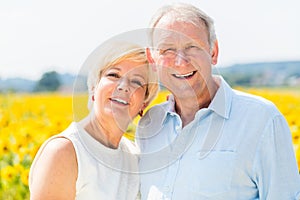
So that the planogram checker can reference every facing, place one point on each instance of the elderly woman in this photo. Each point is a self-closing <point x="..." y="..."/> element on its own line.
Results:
<point x="91" y="159"/>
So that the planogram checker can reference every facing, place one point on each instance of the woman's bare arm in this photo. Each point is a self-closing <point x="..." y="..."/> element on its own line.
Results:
<point x="54" y="173"/>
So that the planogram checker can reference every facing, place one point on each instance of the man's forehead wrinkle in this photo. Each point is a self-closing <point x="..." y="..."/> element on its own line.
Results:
<point x="169" y="38"/>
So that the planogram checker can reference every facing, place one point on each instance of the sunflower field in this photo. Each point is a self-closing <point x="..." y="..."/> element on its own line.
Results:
<point x="27" y="120"/>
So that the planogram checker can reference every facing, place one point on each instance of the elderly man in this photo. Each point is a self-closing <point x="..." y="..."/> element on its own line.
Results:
<point x="208" y="141"/>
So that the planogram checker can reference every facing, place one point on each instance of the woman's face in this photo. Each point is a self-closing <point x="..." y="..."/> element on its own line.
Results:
<point x="120" y="93"/>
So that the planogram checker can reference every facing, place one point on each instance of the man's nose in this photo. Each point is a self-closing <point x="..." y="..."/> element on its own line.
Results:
<point x="181" y="58"/>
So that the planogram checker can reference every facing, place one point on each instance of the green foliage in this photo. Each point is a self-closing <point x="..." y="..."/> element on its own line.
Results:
<point x="49" y="82"/>
<point x="270" y="74"/>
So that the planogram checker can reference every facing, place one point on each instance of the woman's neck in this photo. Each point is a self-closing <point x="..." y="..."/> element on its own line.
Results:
<point x="107" y="132"/>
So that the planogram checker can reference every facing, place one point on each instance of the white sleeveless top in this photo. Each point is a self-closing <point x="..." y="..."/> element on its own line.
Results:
<point x="103" y="173"/>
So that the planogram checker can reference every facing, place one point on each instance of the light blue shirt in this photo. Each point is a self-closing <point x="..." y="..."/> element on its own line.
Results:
<point x="239" y="148"/>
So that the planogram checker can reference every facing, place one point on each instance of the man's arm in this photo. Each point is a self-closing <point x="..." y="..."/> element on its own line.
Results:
<point x="275" y="166"/>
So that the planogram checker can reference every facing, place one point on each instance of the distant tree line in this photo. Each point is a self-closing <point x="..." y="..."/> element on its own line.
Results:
<point x="49" y="82"/>
<point x="273" y="74"/>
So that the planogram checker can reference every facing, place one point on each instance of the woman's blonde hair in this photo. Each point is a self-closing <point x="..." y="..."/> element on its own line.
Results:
<point x="114" y="53"/>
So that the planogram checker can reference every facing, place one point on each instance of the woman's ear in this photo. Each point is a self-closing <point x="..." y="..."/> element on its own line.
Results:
<point x="145" y="104"/>
<point x="215" y="53"/>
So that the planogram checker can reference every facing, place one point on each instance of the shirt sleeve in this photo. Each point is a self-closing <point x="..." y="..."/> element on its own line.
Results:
<point x="275" y="166"/>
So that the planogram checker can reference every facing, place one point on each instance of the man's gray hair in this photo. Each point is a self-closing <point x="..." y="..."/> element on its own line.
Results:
<point x="186" y="13"/>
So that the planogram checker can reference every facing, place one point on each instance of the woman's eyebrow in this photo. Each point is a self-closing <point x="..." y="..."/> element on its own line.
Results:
<point x="115" y="67"/>
<point x="141" y="76"/>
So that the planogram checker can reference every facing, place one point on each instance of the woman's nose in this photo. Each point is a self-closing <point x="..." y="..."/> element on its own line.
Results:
<point x="123" y="85"/>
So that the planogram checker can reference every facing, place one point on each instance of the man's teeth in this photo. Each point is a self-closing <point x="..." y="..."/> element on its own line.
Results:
<point x="120" y="101"/>
<point x="184" y="75"/>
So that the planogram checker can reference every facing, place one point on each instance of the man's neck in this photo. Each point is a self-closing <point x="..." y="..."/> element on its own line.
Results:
<point x="187" y="108"/>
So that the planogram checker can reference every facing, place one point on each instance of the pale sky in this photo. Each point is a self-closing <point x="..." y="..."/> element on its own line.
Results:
<point x="42" y="35"/>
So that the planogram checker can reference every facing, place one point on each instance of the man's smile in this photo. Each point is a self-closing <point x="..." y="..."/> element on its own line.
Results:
<point x="185" y="76"/>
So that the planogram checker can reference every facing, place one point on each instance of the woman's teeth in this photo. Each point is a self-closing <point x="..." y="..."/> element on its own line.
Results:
<point x="120" y="101"/>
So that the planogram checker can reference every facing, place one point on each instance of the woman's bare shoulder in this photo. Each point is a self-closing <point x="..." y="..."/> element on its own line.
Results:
<point x="54" y="172"/>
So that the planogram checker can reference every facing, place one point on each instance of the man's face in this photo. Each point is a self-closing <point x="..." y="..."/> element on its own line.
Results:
<point x="183" y="56"/>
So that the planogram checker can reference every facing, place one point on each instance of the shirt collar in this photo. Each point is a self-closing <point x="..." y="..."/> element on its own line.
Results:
<point x="221" y="103"/>
<point x="169" y="107"/>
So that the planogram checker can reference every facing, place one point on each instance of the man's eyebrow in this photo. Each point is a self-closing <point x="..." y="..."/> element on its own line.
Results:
<point x="166" y="43"/>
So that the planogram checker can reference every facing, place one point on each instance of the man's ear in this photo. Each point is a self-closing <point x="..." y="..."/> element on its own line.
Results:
<point x="215" y="53"/>
<point x="150" y="59"/>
